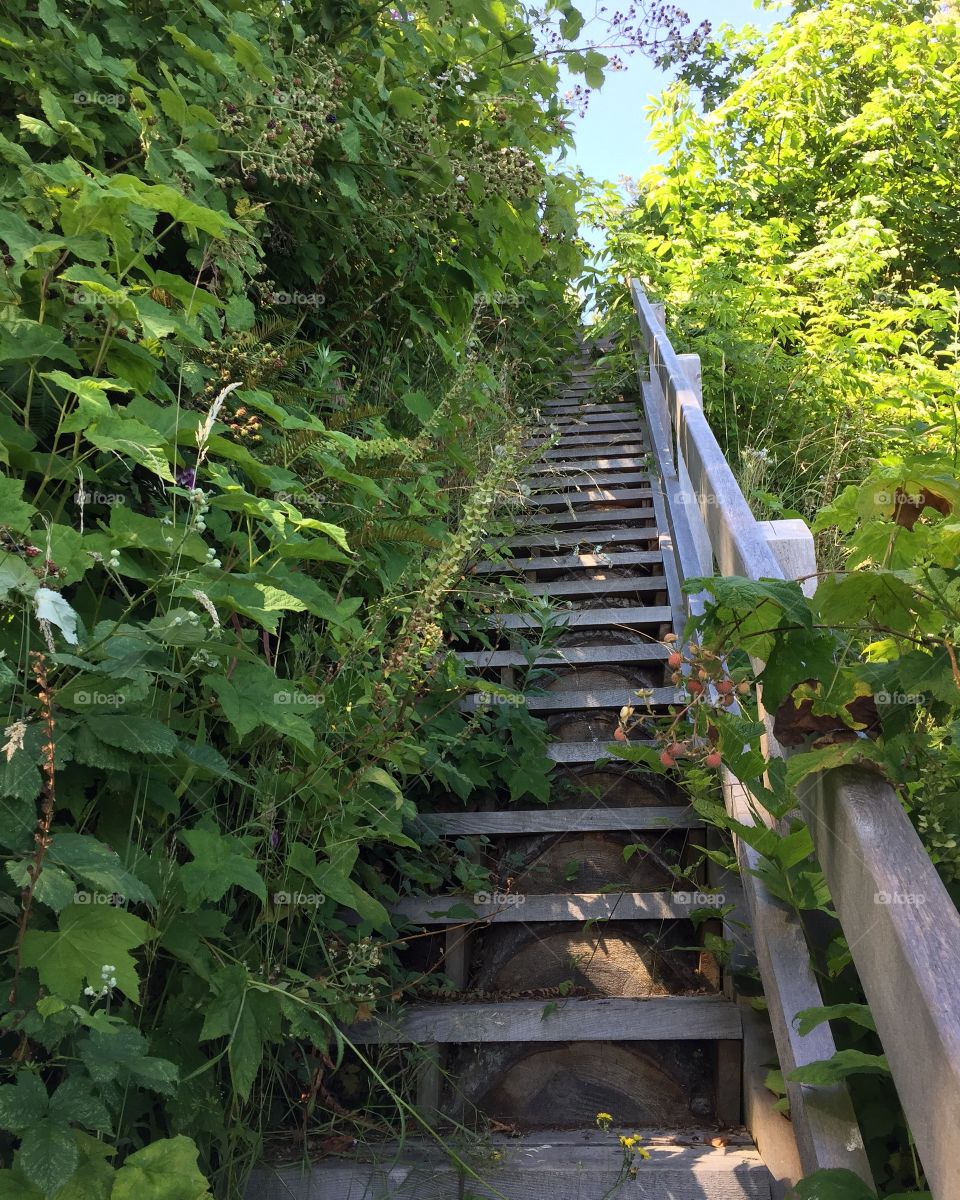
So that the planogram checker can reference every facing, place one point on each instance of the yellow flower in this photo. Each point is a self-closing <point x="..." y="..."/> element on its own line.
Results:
<point x="627" y="1142"/>
<point x="604" y="1120"/>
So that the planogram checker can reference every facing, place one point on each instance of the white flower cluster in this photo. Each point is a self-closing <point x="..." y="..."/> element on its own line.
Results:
<point x="108" y="975"/>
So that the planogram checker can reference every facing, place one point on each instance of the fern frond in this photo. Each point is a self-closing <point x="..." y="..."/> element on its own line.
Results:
<point x="388" y="532"/>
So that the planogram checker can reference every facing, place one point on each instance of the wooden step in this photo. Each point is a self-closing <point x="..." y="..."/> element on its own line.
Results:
<point x="591" y="406"/>
<point x="598" y="587"/>
<point x="585" y="618"/>
<point x="568" y="656"/>
<point x="593" y="516"/>
<point x="586" y="537"/>
<point x="659" y="1018"/>
<point x="588" y="422"/>
<point x="546" y="1165"/>
<point x="633" y="462"/>
<point x="570" y="562"/>
<point x="579" y="906"/>
<point x="571" y="453"/>
<point x="580" y="701"/>
<point x="580" y="438"/>
<point x="577" y="479"/>
<point x="593" y="496"/>
<point x="643" y="818"/>
<point x="588" y="753"/>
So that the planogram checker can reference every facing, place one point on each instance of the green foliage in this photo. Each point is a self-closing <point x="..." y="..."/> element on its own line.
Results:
<point x="803" y="234"/>
<point x="278" y="289"/>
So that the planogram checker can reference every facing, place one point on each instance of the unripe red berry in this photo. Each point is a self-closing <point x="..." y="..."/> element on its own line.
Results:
<point x="714" y="759"/>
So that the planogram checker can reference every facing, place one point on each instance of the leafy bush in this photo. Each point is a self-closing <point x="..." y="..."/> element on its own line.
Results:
<point x="278" y="288"/>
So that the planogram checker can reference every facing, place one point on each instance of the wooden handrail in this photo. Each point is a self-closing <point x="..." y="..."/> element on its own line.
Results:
<point x="902" y="928"/>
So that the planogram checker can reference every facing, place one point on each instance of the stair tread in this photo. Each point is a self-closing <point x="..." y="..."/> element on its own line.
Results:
<point x="589" y="752"/>
<point x="560" y="906"/>
<point x="653" y="1018"/>
<point x="634" y="446"/>
<point x="592" y="698"/>
<point x="572" y="480"/>
<point x="564" y="562"/>
<point x="545" y="1165"/>
<point x="598" y="587"/>
<point x="567" y="656"/>
<point x="585" y="518"/>
<point x="592" y="496"/>
<point x="621" y="462"/>
<point x="600" y="818"/>
<point x="593" y="537"/>
<point x="585" y="617"/>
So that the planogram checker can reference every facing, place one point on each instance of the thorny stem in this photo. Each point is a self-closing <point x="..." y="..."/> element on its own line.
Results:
<point x="47" y="805"/>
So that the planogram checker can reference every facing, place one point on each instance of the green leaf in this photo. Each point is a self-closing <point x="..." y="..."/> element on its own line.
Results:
<point x="99" y="866"/>
<point x="141" y="735"/>
<point x="89" y="937"/>
<point x="810" y="1018"/>
<point x="48" y="1155"/>
<point x="74" y="1101"/>
<point x="23" y="1103"/>
<point x="17" y="514"/>
<point x="54" y="889"/>
<point x="165" y="1170"/>
<point x="405" y="101"/>
<point x="843" y="1063"/>
<point x="121" y="1055"/>
<point x="220" y="862"/>
<point x="833" y="1183"/>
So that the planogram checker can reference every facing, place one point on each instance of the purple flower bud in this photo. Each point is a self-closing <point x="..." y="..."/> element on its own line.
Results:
<point x="187" y="477"/>
<point x="274" y="838"/>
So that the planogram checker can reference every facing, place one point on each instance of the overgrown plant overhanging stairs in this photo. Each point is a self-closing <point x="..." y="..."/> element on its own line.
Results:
<point x="616" y="1005"/>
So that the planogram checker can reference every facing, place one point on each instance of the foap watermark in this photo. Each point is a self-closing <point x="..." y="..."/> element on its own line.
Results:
<point x="909" y="698"/>
<point x="112" y="898"/>
<point x="494" y="699"/>
<point x="300" y="498"/>
<point x="915" y="899"/>
<point x="297" y="699"/>
<point x="297" y="299"/>
<point x="99" y="99"/>
<point x="499" y="899"/>
<point x="299" y="899"/>
<point x="100" y="699"/>
<point x="85" y="496"/>
<point x="700" y="899"/>
<point x="910" y="499"/>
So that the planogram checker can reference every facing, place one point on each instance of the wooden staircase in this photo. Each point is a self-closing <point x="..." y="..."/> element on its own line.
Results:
<point x="637" y="1021"/>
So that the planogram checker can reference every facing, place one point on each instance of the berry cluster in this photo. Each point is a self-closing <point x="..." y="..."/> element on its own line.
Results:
<point x="506" y="172"/>
<point x="281" y="126"/>
<point x="709" y="684"/>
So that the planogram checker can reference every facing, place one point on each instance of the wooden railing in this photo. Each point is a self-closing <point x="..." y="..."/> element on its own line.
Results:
<point x="902" y="928"/>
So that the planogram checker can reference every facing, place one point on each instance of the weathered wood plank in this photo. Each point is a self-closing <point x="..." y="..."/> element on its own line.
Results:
<point x="639" y="819"/>
<point x="525" y="1171"/>
<point x="589" y="537"/>
<point x="589" y="752"/>
<point x="584" y="618"/>
<point x="618" y="462"/>
<point x="641" y="516"/>
<point x="904" y="935"/>
<point x="823" y="1119"/>
<point x="659" y="1018"/>
<point x="576" y="700"/>
<point x="619" y="906"/>
<point x="592" y="496"/>
<point x="567" y="562"/>
<point x="578" y="479"/>
<point x="598" y="587"/>
<point x="572" y="453"/>
<point x="568" y="656"/>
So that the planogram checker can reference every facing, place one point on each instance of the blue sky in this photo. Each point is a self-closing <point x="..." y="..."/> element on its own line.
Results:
<point x="612" y="138"/>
